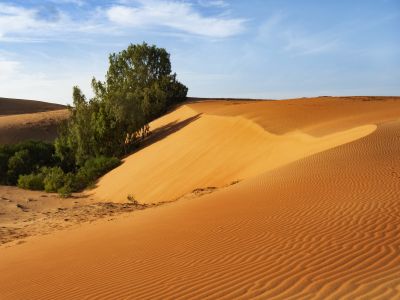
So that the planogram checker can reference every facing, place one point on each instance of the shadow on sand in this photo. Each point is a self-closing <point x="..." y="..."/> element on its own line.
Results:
<point x="164" y="131"/>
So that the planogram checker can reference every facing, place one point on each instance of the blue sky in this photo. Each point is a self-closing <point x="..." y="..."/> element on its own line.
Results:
<point x="219" y="48"/>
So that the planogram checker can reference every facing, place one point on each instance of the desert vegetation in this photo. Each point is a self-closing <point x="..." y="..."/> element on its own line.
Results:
<point x="34" y="165"/>
<point x="139" y="86"/>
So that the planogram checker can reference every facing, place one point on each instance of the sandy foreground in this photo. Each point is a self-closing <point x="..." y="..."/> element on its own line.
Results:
<point x="294" y="199"/>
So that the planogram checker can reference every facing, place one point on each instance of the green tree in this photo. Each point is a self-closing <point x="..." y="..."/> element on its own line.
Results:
<point x="139" y="86"/>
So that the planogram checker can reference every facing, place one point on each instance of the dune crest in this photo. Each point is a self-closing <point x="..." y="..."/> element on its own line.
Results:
<point x="214" y="150"/>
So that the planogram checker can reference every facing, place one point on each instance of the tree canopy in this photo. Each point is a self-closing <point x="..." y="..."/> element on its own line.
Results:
<point x="139" y="86"/>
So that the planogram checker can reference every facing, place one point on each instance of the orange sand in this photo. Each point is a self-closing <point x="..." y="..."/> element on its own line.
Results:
<point x="214" y="143"/>
<point x="316" y="215"/>
<point x="29" y="120"/>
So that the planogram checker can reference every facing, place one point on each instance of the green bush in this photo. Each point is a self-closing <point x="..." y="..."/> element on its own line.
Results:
<point x="70" y="185"/>
<point x="24" y="158"/>
<point x="31" y="182"/>
<point x="18" y="164"/>
<point x="65" y="191"/>
<point x="92" y="169"/>
<point x="96" y="166"/>
<point x="54" y="179"/>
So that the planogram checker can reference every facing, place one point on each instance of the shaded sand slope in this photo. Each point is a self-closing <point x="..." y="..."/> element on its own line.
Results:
<point x="10" y="106"/>
<point x="216" y="143"/>
<point x="323" y="227"/>
<point x="27" y="119"/>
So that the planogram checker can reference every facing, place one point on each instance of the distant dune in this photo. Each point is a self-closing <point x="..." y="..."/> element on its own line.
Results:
<point x="9" y="106"/>
<point x="27" y="119"/>
<point x="315" y="214"/>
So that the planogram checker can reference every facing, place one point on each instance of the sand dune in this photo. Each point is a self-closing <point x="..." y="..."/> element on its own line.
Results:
<point x="323" y="224"/>
<point x="10" y="106"/>
<point x="29" y="120"/>
<point x="219" y="142"/>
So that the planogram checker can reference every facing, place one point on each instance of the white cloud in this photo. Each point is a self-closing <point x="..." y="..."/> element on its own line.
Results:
<point x="16" y="19"/>
<point x="18" y="23"/>
<point x="27" y="24"/>
<point x="30" y="25"/>
<point x="213" y="3"/>
<point x="75" y="2"/>
<point x="180" y="16"/>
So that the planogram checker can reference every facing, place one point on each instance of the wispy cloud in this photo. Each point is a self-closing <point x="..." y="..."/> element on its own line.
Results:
<point x="213" y="3"/>
<point x="270" y="27"/>
<point x="278" y="31"/>
<point x="22" y="24"/>
<point x="15" y="19"/>
<point x="75" y="2"/>
<point x="181" y="16"/>
<point x="39" y="23"/>
<point x="304" y="44"/>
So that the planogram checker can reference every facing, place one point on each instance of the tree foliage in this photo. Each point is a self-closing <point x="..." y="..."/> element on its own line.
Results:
<point x="24" y="158"/>
<point x="139" y="86"/>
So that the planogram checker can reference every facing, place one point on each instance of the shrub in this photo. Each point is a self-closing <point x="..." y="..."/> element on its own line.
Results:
<point x="40" y="153"/>
<point x="69" y="185"/>
<point x="18" y="164"/>
<point x="31" y="182"/>
<point x="94" y="168"/>
<point x="24" y="158"/>
<point x="64" y="191"/>
<point x="54" y="179"/>
<point x="31" y="165"/>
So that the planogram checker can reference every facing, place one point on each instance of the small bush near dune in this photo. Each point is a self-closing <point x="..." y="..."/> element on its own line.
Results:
<point x="95" y="167"/>
<point x="54" y="179"/>
<point x="70" y="185"/>
<point x="24" y="158"/>
<point x="65" y="191"/>
<point x="31" y="182"/>
<point x="18" y="164"/>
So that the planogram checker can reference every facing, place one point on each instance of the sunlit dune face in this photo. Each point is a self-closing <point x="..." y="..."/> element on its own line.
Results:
<point x="218" y="142"/>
